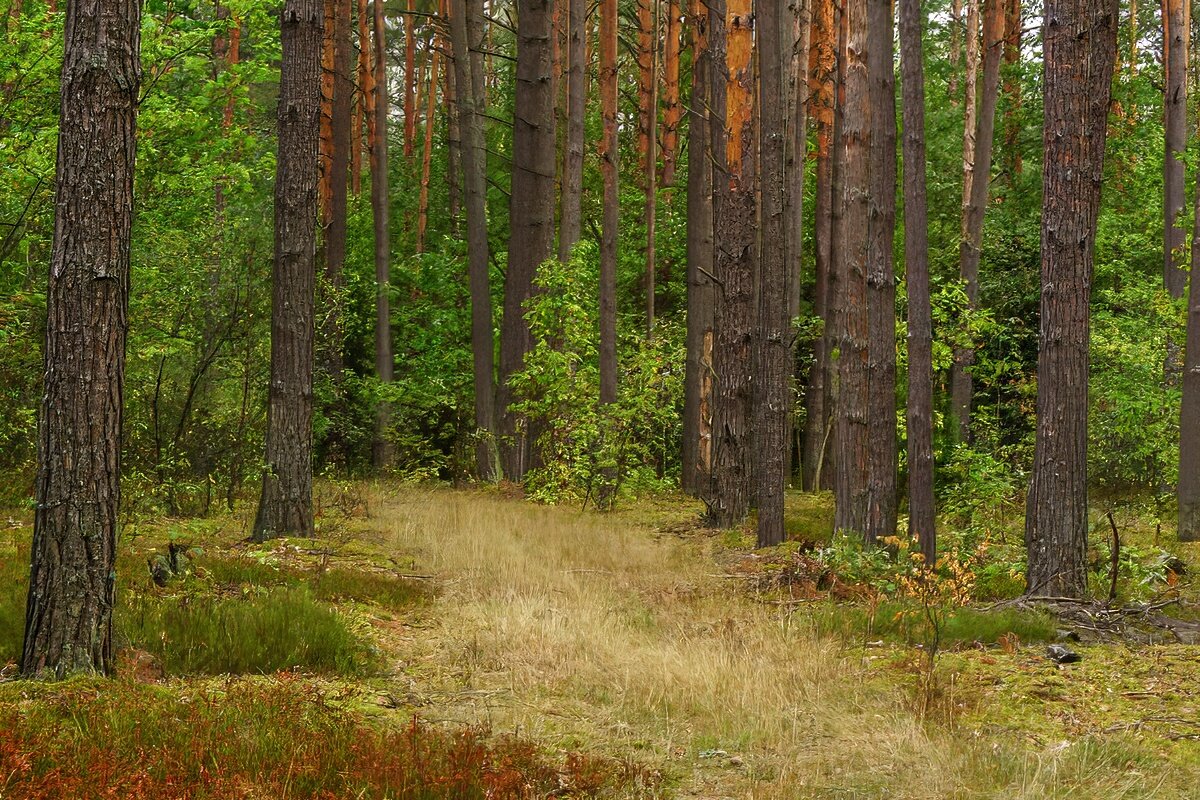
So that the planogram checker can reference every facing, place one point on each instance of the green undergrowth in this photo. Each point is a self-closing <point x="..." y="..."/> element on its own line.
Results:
<point x="281" y="737"/>
<point x="906" y="622"/>
<point x="229" y="609"/>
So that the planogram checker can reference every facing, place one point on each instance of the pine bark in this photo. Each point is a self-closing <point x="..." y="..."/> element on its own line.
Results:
<point x="882" y="448"/>
<point x="648" y="140"/>
<point x="410" y="81"/>
<point x="735" y="218"/>
<point x="339" y="165"/>
<point x="772" y="361"/>
<point x="697" y="416"/>
<point x="357" y="112"/>
<point x="609" y="156"/>
<point x="1012" y="89"/>
<point x="1175" y="127"/>
<point x="285" y="507"/>
<point x="795" y="49"/>
<point x="1189" y="413"/>
<point x="851" y="409"/>
<point x="466" y="31"/>
<point x="571" y="214"/>
<point x="822" y="80"/>
<point x="381" y="450"/>
<point x="922" y="520"/>
<point x="531" y="211"/>
<point x="68" y="621"/>
<point x="1080" y="48"/>
<point x="672" y="109"/>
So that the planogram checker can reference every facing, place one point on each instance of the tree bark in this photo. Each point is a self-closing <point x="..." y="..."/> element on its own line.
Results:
<point x="571" y="214"/>
<point x="1080" y="48"/>
<point x="358" y="112"/>
<point x="822" y="80"/>
<point x="795" y="47"/>
<point x="68" y="620"/>
<point x="1012" y="88"/>
<point x="648" y="139"/>
<point x="697" y="414"/>
<point x="410" y="81"/>
<point x="735" y="217"/>
<point x="1175" y="127"/>
<point x="922" y="520"/>
<point x="881" y="279"/>
<point x="466" y="31"/>
<point x="381" y="450"/>
<point x="427" y="150"/>
<point x="531" y="212"/>
<point x="672" y="109"/>
<point x="851" y="490"/>
<point x="339" y="164"/>
<point x="772" y="374"/>
<point x="285" y="507"/>
<point x="1189" y="412"/>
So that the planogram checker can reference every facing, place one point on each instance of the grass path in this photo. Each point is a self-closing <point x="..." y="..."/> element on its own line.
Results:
<point x="587" y="632"/>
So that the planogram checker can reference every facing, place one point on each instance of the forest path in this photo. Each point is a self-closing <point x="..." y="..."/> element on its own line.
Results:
<point x="583" y="631"/>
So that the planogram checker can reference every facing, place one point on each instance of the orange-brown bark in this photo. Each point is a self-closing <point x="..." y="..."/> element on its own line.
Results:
<point x="423" y="198"/>
<point x="672" y="108"/>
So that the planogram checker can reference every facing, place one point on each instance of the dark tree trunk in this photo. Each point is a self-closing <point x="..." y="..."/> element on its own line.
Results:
<point x="285" y="508"/>
<point x="772" y="356"/>
<point x="609" y="157"/>
<point x="822" y="77"/>
<point x="531" y="212"/>
<point x="1080" y="47"/>
<point x="851" y="490"/>
<point x="466" y="31"/>
<point x="735" y="222"/>
<point x="339" y="165"/>
<point x="571" y="216"/>
<point x="648" y="114"/>
<point x="381" y="452"/>
<point x="795" y="48"/>
<point x="1175" y="35"/>
<point x="68" y="621"/>
<point x="1189" y="414"/>
<point x="697" y="413"/>
<point x="921" y="516"/>
<point x="971" y="246"/>
<point x="882" y="448"/>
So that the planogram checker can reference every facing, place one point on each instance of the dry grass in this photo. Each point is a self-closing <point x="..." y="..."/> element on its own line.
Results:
<point x="582" y="631"/>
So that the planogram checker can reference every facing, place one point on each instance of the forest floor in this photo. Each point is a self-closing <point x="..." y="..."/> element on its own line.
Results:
<point x="630" y="655"/>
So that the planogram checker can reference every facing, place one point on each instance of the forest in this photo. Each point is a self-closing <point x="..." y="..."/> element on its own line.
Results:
<point x="639" y="398"/>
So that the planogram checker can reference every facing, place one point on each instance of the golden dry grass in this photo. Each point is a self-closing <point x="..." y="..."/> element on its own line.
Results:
<point x="583" y="631"/>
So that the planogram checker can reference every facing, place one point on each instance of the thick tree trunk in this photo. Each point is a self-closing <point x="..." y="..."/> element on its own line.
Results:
<point x="1175" y="65"/>
<point x="772" y="357"/>
<point x="1189" y="414"/>
<point x="381" y="451"/>
<point x="571" y="214"/>
<point x="285" y="508"/>
<point x="881" y="280"/>
<point x="1080" y="47"/>
<point x="609" y="151"/>
<point x="851" y="490"/>
<point x="697" y="413"/>
<point x="823" y="75"/>
<point x="68" y="620"/>
<point x="531" y="212"/>
<point x="921" y="517"/>
<point x="735" y="218"/>
<point x="466" y="31"/>
<point x="328" y="58"/>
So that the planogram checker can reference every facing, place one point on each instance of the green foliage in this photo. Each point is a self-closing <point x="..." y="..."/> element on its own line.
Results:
<point x="588" y="451"/>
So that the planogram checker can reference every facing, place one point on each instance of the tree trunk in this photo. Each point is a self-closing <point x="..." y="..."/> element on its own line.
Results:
<point x="571" y="215"/>
<point x="822" y="78"/>
<point x="1175" y="126"/>
<point x="772" y="374"/>
<point x="795" y="54"/>
<point x="609" y="151"/>
<point x="672" y="109"/>
<point x="68" y="620"/>
<point x="285" y="507"/>
<point x="1189" y="413"/>
<point x="357" y="113"/>
<point x="851" y="490"/>
<point x="960" y="378"/>
<point x="881" y="279"/>
<point x="466" y="32"/>
<point x="735" y="218"/>
<point x="427" y="151"/>
<point x="922" y="520"/>
<point x="410" y="81"/>
<point x="328" y="57"/>
<point x="697" y="414"/>
<point x="531" y="211"/>
<point x="1080" y="47"/>
<point x="1012" y="88"/>
<point x="453" y="132"/>
<point x="381" y="450"/>
<point x="339" y="164"/>
<point x="648" y="138"/>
